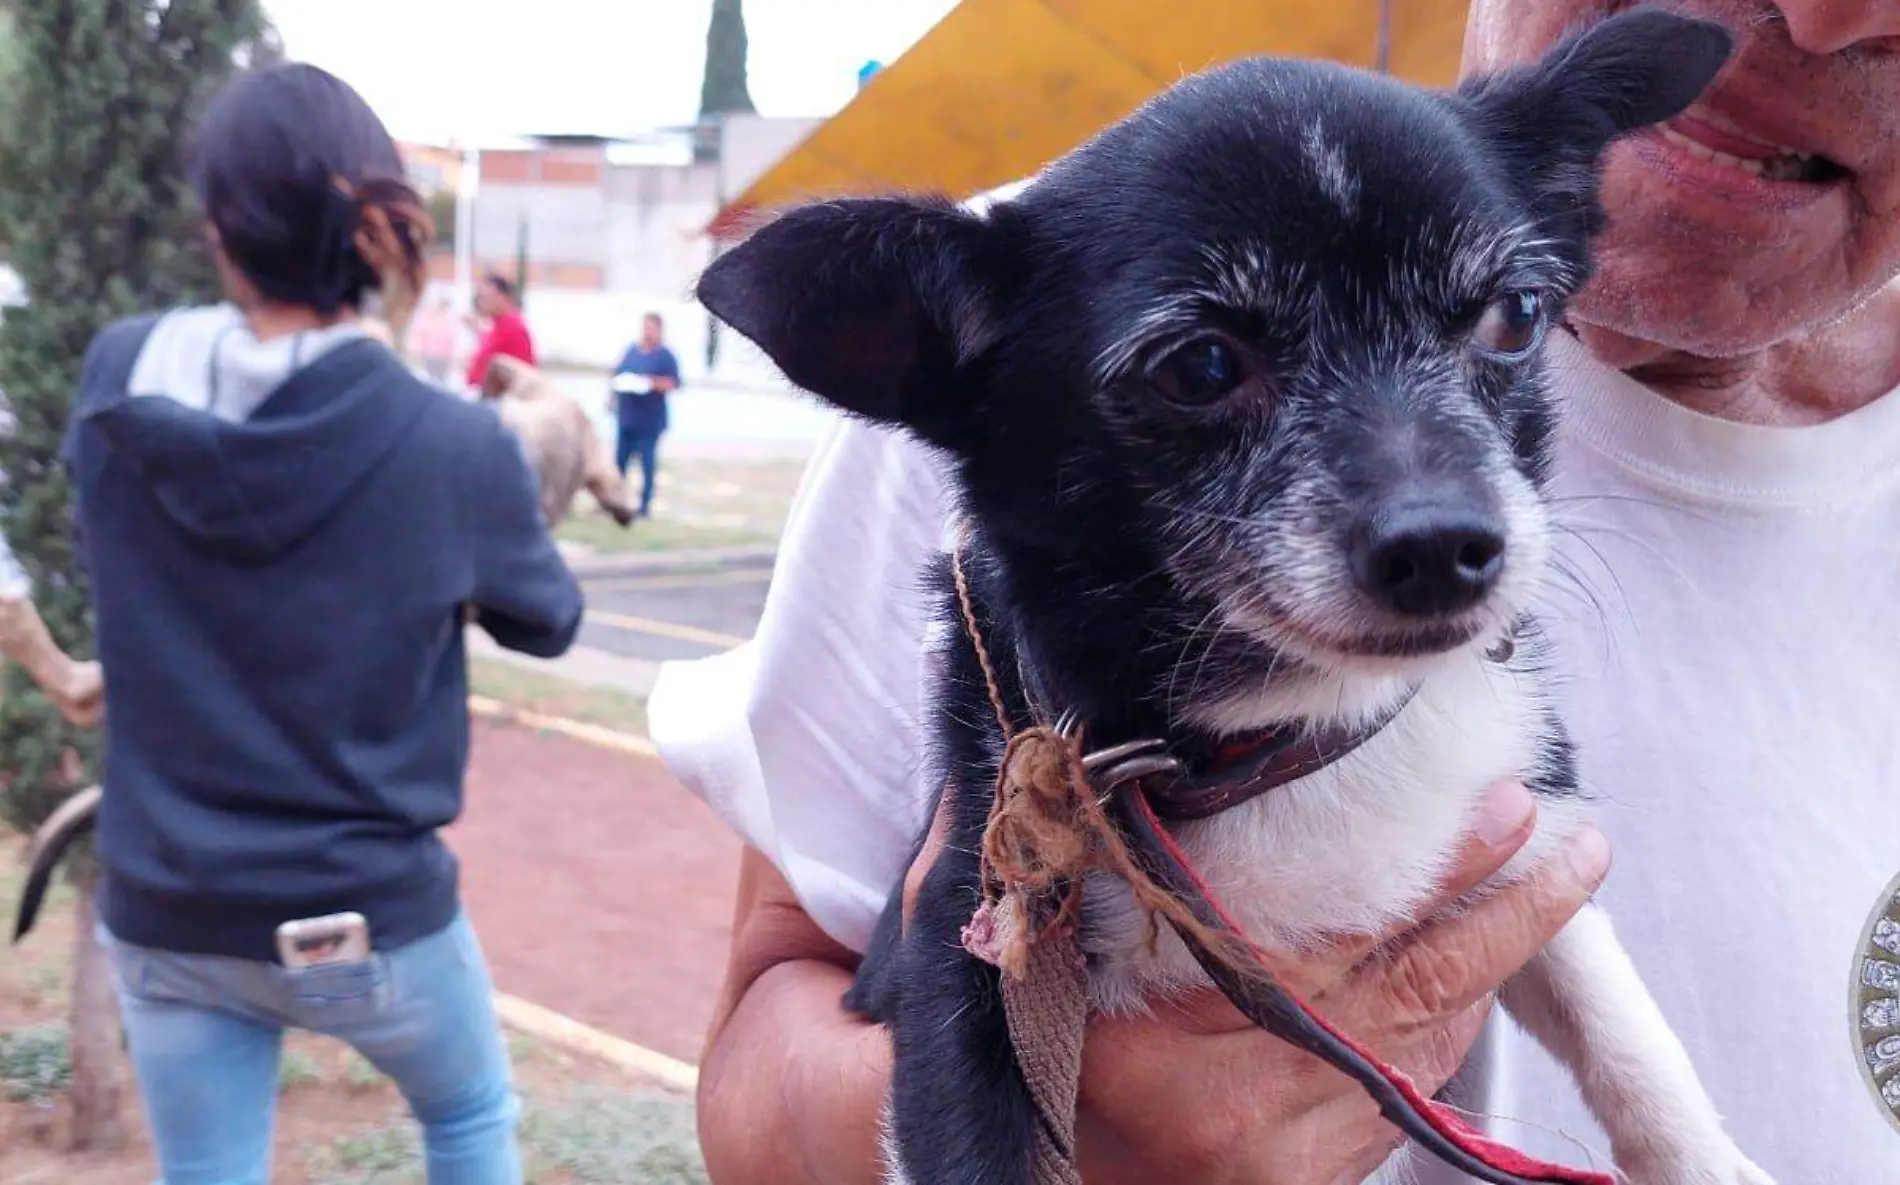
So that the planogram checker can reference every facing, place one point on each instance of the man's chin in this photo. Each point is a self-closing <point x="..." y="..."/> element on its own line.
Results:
<point x="1672" y="277"/>
<point x="1631" y="321"/>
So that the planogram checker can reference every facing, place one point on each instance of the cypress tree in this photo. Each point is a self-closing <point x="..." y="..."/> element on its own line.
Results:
<point x="723" y="89"/>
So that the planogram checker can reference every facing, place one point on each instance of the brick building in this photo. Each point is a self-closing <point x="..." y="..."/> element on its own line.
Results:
<point x="613" y="226"/>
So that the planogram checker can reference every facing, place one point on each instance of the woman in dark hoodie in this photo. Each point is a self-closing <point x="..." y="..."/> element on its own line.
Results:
<point x="286" y="532"/>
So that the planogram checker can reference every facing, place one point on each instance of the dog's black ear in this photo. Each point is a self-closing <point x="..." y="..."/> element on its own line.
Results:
<point x="1554" y="118"/>
<point x="874" y="304"/>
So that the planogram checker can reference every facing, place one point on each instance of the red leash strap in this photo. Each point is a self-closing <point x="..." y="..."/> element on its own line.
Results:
<point x="1437" y="1128"/>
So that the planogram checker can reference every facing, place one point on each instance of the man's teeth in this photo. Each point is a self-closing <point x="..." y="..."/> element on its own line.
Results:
<point x="1789" y="166"/>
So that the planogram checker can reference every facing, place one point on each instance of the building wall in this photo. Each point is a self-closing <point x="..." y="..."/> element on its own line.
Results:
<point x="432" y="169"/>
<point x="654" y="214"/>
<point x="564" y="225"/>
<point x="609" y="241"/>
<point x="751" y="144"/>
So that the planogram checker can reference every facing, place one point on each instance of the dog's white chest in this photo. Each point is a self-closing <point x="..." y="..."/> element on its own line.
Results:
<point x="1352" y="848"/>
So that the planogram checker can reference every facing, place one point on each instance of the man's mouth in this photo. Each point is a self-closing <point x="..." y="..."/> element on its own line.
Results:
<point x="1710" y="137"/>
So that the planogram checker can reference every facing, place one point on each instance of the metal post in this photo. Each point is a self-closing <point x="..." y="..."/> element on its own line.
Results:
<point x="1384" y="53"/>
<point x="465" y="185"/>
<point x="719" y="203"/>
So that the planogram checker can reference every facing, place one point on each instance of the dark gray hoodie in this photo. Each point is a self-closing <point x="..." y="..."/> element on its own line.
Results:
<point x="282" y="538"/>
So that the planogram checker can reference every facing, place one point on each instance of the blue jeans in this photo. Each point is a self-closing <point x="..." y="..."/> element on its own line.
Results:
<point x="205" y="1035"/>
<point x="644" y="442"/>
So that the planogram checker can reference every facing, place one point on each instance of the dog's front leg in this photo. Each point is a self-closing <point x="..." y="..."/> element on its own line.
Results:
<point x="959" y="1111"/>
<point x="1582" y="999"/>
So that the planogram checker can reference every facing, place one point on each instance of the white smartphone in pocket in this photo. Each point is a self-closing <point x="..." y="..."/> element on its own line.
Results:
<point x="320" y="942"/>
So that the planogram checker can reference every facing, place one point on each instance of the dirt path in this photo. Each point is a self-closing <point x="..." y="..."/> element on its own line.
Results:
<point x="600" y="887"/>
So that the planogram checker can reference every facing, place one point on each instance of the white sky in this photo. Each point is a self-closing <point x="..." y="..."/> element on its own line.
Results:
<point x="435" y="69"/>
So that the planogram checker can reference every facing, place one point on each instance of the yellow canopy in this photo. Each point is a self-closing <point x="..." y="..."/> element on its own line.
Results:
<point x="1001" y="87"/>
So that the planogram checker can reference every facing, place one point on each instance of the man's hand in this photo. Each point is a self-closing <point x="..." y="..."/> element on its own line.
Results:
<point x="791" y="1086"/>
<point x="1196" y="1094"/>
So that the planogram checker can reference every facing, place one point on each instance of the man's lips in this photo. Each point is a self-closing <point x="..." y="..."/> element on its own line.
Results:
<point x="1710" y="136"/>
<point x="1723" y="136"/>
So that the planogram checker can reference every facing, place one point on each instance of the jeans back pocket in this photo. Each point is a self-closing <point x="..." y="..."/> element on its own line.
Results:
<point x="363" y="985"/>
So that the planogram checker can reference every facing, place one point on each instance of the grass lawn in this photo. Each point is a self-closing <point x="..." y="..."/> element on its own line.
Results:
<point x="699" y="504"/>
<point x="339" y="1121"/>
<point x="547" y="695"/>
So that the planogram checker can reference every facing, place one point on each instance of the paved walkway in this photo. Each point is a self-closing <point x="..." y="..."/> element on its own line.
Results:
<point x="600" y="887"/>
<point x="645" y="610"/>
<point x="590" y="666"/>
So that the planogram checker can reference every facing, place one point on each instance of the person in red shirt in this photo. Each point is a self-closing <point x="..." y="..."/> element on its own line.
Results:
<point x="507" y="331"/>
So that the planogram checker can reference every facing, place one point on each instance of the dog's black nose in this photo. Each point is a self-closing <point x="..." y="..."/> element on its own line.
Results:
<point x="1424" y="561"/>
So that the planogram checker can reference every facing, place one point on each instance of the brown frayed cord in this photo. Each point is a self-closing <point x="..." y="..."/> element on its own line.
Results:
<point x="1047" y="829"/>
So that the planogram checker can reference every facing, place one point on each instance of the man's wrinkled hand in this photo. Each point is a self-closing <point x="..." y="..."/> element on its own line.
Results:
<point x="1195" y="1094"/>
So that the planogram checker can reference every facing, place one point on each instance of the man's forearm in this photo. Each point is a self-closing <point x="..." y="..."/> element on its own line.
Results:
<point x="792" y="1086"/>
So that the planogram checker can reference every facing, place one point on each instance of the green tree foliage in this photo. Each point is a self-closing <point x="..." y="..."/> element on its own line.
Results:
<point x="100" y="222"/>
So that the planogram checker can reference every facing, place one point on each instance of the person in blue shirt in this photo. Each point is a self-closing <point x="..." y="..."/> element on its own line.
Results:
<point x="646" y="373"/>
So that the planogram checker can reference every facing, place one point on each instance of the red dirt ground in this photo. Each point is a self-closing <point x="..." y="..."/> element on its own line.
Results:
<point x="600" y="887"/>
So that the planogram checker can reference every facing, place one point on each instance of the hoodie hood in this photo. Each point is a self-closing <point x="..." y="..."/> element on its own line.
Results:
<point x="250" y="445"/>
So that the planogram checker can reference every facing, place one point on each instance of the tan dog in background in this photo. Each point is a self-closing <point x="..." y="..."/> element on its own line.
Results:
<point x="562" y="446"/>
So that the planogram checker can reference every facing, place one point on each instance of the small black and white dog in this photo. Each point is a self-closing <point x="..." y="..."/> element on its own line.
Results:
<point x="1248" y="406"/>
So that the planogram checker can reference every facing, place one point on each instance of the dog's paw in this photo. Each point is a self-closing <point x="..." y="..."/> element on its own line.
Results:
<point x="1699" y="1166"/>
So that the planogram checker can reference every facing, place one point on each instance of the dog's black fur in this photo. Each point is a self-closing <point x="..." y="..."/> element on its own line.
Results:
<point x="1184" y="377"/>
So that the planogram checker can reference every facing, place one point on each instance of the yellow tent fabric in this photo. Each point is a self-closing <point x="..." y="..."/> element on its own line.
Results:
<point x="1001" y="87"/>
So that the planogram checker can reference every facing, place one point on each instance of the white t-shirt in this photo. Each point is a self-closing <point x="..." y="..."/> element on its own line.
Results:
<point x="14" y="584"/>
<point x="1729" y="637"/>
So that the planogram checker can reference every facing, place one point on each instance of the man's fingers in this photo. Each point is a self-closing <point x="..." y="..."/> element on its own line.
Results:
<point x="926" y="856"/>
<point x="1453" y="963"/>
<point x="1506" y="817"/>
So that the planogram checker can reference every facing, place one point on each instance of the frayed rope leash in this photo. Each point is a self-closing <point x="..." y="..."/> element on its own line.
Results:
<point x="1048" y="827"/>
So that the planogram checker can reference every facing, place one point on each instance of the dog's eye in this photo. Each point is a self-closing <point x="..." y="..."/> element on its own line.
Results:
<point x="1198" y="373"/>
<point x="1512" y="325"/>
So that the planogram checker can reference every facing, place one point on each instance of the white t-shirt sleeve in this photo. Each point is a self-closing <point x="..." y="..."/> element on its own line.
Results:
<point x="807" y="739"/>
<point x="14" y="584"/>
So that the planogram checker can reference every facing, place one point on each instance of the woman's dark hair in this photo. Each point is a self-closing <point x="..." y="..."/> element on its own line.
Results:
<point x="308" y="193"/>
<point x="500" y="283"/>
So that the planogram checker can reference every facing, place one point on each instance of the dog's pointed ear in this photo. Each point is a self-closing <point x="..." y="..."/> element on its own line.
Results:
<point x="1553" y="119"/>
<point x="876" y="305"/>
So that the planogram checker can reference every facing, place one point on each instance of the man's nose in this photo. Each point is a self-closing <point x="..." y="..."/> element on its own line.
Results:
<point x="1830" y="26"/>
